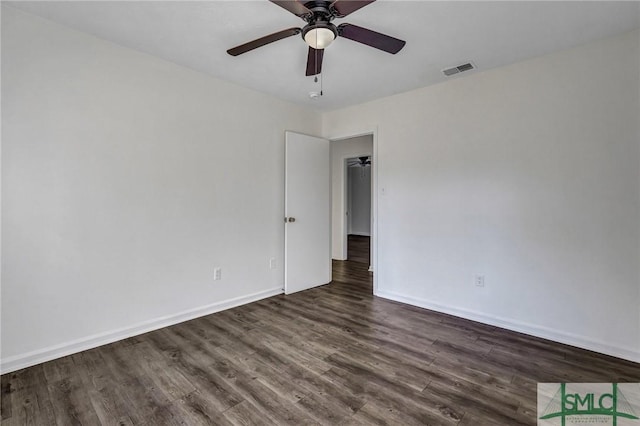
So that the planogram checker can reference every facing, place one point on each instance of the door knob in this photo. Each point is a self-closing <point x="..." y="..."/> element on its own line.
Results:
<point x="289" y="219"/>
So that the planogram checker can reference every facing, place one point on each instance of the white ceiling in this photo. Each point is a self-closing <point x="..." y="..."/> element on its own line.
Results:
<point x="438" y="34"/>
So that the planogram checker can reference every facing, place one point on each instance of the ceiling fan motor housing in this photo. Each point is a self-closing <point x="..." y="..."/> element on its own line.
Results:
<point x="320" y="10"/>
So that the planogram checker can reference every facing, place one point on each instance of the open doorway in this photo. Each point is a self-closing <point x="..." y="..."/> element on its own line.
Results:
<point x="345" y="153"/>
<point x="358" y="212"/>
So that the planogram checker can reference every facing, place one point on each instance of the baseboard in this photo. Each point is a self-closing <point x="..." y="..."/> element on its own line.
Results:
<point x="18" y="362"/>
<point x="530" y="329"/>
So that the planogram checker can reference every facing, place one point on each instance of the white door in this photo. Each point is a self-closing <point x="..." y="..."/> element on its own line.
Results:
<point x="307" y="247"/>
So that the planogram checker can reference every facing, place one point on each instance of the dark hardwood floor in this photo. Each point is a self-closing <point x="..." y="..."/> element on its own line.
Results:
<point x="358" y="249"/>
<point x="332" y="355"/>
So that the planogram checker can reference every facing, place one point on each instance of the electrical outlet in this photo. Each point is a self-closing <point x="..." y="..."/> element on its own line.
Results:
<point x="479" y="280"/>
<point x="272" y="263"/>
<point x="217" y="274"/>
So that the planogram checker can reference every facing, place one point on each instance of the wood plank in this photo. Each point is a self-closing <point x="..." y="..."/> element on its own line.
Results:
<point x="197" y="410"/>
<point x="245" y="414"/>
<point x="374" y="385"/>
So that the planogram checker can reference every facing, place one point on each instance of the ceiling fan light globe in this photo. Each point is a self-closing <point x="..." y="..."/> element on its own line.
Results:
<point x="319" y="38"/>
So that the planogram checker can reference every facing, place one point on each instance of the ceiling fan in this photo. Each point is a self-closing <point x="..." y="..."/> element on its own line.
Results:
<point x="359" y="162"/>
<point x="319" y="31"/>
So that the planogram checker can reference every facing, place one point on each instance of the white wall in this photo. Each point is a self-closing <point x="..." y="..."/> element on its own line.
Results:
<point x="359" y="197"/>
<point x="125" y="182"/>
<point x="340" y="151"/>
<point x="528" y="174"/>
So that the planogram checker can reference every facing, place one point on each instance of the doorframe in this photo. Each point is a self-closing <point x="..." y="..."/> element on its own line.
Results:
<point x="373" y="131"/>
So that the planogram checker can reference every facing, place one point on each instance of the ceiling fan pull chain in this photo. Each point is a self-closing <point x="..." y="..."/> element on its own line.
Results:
<point x="321" y="81"/>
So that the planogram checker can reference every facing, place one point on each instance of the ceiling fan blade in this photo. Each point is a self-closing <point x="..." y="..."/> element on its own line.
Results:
<point x="292" y="6"/>
<point x="314" y="61"/>
<point x="244" y="48"/>
<point x="346" y="7"/>
<point x="371" y="38"/>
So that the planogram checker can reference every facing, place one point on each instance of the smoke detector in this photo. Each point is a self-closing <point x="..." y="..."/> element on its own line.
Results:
<point x="458" y="69"/>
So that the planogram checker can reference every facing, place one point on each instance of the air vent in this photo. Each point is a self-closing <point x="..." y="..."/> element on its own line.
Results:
<point x="458" y="69"/>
